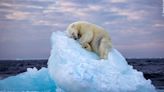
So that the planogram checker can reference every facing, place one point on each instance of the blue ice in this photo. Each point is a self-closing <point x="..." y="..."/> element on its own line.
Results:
<point x="74" y="69"/>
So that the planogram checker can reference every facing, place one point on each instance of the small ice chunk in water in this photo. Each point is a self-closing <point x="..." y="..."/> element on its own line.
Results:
<point x="32" y="80"/>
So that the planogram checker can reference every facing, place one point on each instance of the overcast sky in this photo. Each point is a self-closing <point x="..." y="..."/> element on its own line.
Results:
<point x="136" y="26"/>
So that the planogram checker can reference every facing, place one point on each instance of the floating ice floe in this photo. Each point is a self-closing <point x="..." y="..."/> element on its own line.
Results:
<point x="33" y="80"/>
<point x="74" y="69"/>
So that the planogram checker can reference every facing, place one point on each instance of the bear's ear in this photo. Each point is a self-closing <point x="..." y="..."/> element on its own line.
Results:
<point x="73" y="25"/>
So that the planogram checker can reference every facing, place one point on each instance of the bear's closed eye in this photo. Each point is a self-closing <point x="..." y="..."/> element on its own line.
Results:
<point x="79" y="36"/>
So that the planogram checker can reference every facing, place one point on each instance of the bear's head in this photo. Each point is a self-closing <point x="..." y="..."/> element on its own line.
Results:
<point x="72" y="31"/>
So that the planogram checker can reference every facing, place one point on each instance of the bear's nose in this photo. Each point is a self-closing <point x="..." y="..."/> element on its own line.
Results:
<point x="75" y="37"/>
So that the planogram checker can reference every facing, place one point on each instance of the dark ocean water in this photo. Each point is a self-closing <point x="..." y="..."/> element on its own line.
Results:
<point x="153" y="69"/>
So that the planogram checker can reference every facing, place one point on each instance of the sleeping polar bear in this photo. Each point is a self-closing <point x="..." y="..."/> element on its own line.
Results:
<point x="91" y="37"/>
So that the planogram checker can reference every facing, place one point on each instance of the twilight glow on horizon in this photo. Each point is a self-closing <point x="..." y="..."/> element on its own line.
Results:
<point x="135" y="26"/>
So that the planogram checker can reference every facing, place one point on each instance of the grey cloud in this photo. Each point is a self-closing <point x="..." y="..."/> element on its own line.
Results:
<point x="131" y="24"/>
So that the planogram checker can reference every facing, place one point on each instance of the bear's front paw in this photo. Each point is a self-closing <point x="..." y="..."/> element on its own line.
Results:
<point x="87" y="47"/>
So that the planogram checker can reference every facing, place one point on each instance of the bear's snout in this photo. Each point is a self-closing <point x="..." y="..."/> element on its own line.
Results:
<point x="75" y="38"/>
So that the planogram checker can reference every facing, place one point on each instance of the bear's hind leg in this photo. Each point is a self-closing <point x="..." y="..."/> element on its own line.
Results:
<point x="103" y="49"/>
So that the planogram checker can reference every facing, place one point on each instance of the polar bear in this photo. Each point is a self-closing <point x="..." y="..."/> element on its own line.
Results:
<point x="91" y="37"/>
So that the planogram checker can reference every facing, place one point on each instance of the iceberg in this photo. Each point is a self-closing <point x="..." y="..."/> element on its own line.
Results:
<point x="74" y="69"/>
